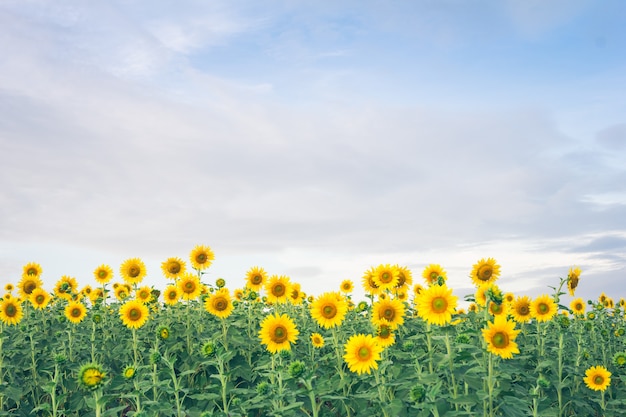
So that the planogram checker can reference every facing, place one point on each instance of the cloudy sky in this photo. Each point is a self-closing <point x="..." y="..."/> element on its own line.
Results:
<point x="316" y="139"/>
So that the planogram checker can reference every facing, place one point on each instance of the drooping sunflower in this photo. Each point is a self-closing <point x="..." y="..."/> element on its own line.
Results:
<point x="173" y="267"/>
<point x="201" y="257"/>
<point x="39" y="298"/>
<point x="329" y="309"/>
<point x="385" y="336"/>
<point x="362" y="353"/>
<point x="10" y="311"/>
<point x="369" y="284"/>
<point x="432" y="273"/>
<point x="134" y="314"/>
<point x="543" y="308"/>
<point x="144" y="294"/>
<point x="75" y="311"/>
<point x="66" y="287"/>
<point x="171" y="295"/>
<point x="389" y="312"/>
<point x="277" y="288"/>
<point x="27" y="284"/>
<point x="597" y="378"/>
<point x="133" y="271"/>
<point x="219" y="303"/>
<point x="386" y="276"/>
<point x="520" y="309"/>
<point x="32" y="269"/>
<point x="573" y="277"/>
<point x="436" y="304"/>
<point x="190" y="286"/>
<point x="256" y="278"/>
<point x="500" y="337"/>
<point x="578" y="306"/>
<point x="278" y="332"/>
<point x="346" y="286"/>
<point x="317" y="340"/>
<point x="91" y="376"/>
<point x="103" y="274"/>
<point x="485" y="271"/>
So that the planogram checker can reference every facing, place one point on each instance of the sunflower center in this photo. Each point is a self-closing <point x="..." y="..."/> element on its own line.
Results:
<point x="201" y="258"/>
<point x="164" y="334"/>
<point x="10" y="310"/>
<point x="257" y="279"/>
<point x="278" y="290"/>
<point x="523" y="310"/>
<point x="189" y="286"/>
<point x="39" y="299"/>
<point x="496" y="308"/>
<point x="102" y="273"/>
<point x="76" y="312"/>
<point x="31" y="271"/>
<point x="543" y="308"/>
<point x="172" y="295"/>
<point x="384" y="332"/>
<point x="485" y="272"/>
<point x="434" y="276"/>
<point x="29" y="287"/>
<point x="385" y="277"/>
<point x="578" y="306"/>
<point x="280" y="334"/>
<point x="220" y="304"/>
<point x="598" y="379"/>
<point x="439" y="305"/>
<point x="329" y="311"/>
<point x="500" y="340"/>
<point x="389" y="314"/>
<point x="174" y="268"/>
<point x="134" y="271"/>
<point x="134" y="314"/>
<point x="364" y="353"/>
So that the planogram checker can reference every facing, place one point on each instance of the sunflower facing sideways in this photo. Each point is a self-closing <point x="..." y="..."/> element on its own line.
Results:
<point x="75" y="312"/>
<point x="10" y="311"/>
<point x="134" y="314"/>
<point x="278" y="332"/>
<point x="573" y="277"/>
<point x="389" y="312"/>
<point x="369" y="284"/>
<point x="485" y="271"/>
<point x="362" y="353"/>
<point x="133" y="271"/>
<point x="173" y="268"/>
<point x="436" y="304"/>
<point x="500" y="337"/>
<point x="219" y="303"/>
<point x="256" y="278"/>
<point x="201" y="257"/>
<point x="329" y="309"/>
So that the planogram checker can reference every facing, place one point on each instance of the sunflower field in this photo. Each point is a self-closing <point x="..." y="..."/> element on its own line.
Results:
<point x="196" y="348"/>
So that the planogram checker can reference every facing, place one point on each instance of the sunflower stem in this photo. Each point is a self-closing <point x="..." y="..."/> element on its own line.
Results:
<point x="429" y="345"/>
<point x="451" y="363"/>
<point x="135" y="348"/>
<point x="381" y="392"/>
<point x="559" y="392"/>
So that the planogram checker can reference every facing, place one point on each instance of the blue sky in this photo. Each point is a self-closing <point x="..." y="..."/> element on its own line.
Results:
<point x="316" y="139"/>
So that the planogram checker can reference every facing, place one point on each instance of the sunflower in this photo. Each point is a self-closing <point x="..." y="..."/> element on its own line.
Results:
<point x="385" y="336"/>
<point x="417" y="289"/>
<point x="543" y="308"/>
<point x="144" y="294"/>
<point x="578" y="306"/>
<point x="405" y="277"/>
<point x="201" y="257"/>
<point x="295" y="296"/>
<point x="501" y="309"/>
<point x="389" y="312"/>
<point x="597" y="378"/>
<point x="277" y="289"/>
<point x="329" y="309"/>
<point x="163" y="332"/>
<point x="278" y="332"/>
<point x="103" y="274"/>
<point x="173" y="267"/>
<point x="369" y="284"/>
<point x="238" y="294"/>
<point x="485" y="271"/>
<point x="129" y="372"/>
<point x="432" y="273"/>
<point x="317" y="340"/>
<point x="66" y="287"/>
<point x="436" y="304"/>
<point x="256" y="278"/>
<point x="9" y="287"/>
<point x="32" y="270"/>
<point x="190" y="286"/>
<point x="121" y="292"/>
<point x="509" y="297"/>
<point x="386" y="276"/>
<point x="91" y="376"/>
<point x="362" y="353"/>
<point x="171" y="295"/>
<point x="27" y="284"/>
<point x="134" y="314"/>
<point x="10" y="311"/>
<point x="39" y="298"/>
<point x="75" y="311"/>
<point x="573" y="277"/>
<point x="402" y="295"/>
<point x="219" y="303"/>
<point x="346" y="286"/>
<point x="96" y="295"/>
<point x="133" y="270"/>
<point x="500" y="337"/>
<point x="520" y="309"/>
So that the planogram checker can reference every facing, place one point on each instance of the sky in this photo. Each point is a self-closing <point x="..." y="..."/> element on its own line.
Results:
<point x="316" y="139"/>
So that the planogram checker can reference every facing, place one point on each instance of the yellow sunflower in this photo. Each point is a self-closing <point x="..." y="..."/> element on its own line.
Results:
<point x="277" y="288"/>
<point x="75" y="311"/>
<point x="573" y="277"/>
<point x="317" y="340"/>
<point x="32" y="270"/>
<point x="389" y="312"/>
<point x="133" y="271"/>
<point x="483" y="290"/>
<point x="436" y="304"/>
<point x="91" y="376"/>
<point x="432" y="273"/>
<point x="329" y="309"/>
<point x="219" y="303"/>
<point x="9" y="287"/>
<point x="417" y="289"/>
<point x="386" y="276"/>
<point x="385" y="336"/>
<point x="362" y="353"/>
<point x="578" y="306"/>
<point x="27" y="284"/>
<point x="173" y="267"/>
<point x="500" y="337"/>
<point x="346" y="286"/>
<point x="238" y="294"/>
<point x="171" y="295"/>
<point x="520" y="309"/>
<point x="134" y="314"/>
<point x="509" y="297"/>
<point x="256" y="278"/>
<point x="278" y="332"/>
<point x="66" y="287"/>
<point x="121" y="292"/>
<point x="405" y="277"/>
<point x="190" y="286"/>
<point x="597" y="378"/>
<point x="485" y="271"/>
<point x="103" y="274"/>
<point x="39" y="298"/>
<point x="144" y="294"/>
<point x="10" y="311"/>
<point x="201" y="257"/>
<point x="96" y="295"/>
<point x="295" y="296"/>
<point x="369" y="284"/>
<point x="501" y="309"/>
<point x="543" y="308"/>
